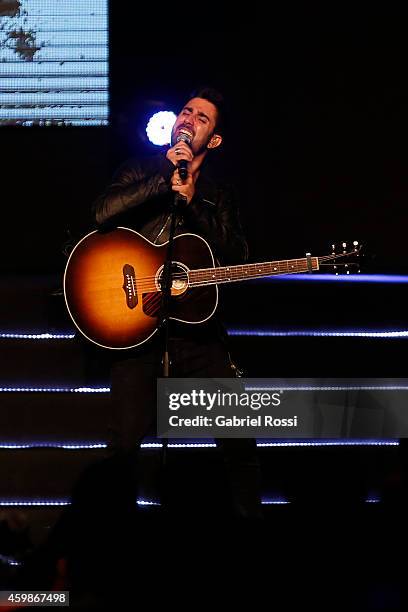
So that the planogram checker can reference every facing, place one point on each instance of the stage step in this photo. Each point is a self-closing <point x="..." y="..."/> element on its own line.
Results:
<point x="30" y="362"/>
<point x="41" y="473"/>
<point x="32" y="303"/>
<point x="73" y="362"/>
<point x="324" y="523"/>
<point x="311" y="357"/>
<point x="289" y="473"/>
<point x="53" y="416"/>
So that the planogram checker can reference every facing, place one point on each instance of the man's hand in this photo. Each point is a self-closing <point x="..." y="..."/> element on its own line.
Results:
<point x="185" y="188"/>
<point x="181" y="150"/>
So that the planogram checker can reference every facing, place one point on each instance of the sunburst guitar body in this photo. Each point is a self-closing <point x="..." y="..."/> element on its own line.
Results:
<point x="112" y="286"/>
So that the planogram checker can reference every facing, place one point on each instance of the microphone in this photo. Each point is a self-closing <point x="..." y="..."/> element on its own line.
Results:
<point x="187" y="137"/>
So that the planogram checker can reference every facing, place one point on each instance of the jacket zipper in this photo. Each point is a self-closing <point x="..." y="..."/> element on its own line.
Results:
<point x="162" y="230"/>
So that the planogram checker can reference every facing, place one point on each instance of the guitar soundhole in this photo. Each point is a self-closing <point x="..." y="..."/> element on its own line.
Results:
<point x="179" y="275"/>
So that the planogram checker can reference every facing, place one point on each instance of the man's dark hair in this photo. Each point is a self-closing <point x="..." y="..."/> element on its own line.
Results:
<point x="216" y="98"/>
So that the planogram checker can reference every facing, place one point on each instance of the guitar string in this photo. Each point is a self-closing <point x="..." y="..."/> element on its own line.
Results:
<point x="238" y="268"/>
<point x="233" y="270"/>
<point x="147" y="284"/>
<point x="154" y="289"/>
<point x="147" y="288"/>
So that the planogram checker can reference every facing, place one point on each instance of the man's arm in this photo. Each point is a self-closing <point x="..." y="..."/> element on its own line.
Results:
<point x="132" y="185"/>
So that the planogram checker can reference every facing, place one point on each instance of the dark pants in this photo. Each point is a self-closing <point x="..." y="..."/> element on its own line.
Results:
<point x="201" y="354"/>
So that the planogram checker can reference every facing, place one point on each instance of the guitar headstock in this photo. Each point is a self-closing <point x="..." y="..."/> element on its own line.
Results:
<point x="344" y="258"/>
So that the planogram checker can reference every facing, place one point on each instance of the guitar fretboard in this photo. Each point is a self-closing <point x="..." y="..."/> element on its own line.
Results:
<point x="228" y="274"/>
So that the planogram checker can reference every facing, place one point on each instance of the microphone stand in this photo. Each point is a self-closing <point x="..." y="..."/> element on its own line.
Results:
<point x="166" y="284"/>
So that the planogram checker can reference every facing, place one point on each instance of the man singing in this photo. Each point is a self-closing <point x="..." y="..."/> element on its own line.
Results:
<point x="140" y="198"/>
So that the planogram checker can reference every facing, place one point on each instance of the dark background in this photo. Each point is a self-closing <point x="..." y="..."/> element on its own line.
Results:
<point x="318" y="149"/>
<point x="318" y="139"/>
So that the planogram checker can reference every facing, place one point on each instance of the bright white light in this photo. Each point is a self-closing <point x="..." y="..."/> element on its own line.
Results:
<point x="159" y="127"/>
<point x="9" y="560"/>
<point x="145" y="502"/>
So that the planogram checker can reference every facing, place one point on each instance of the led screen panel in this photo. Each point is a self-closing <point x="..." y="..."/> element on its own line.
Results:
<point x="54" y="62"/>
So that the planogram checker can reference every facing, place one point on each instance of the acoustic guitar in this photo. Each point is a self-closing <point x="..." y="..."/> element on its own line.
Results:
<point x="112" y="283"/>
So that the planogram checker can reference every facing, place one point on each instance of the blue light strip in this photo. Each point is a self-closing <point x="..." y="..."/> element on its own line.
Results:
<point x="62" y="445"/>
<point x="327" y="388"/>
<point x="192" y="445"/>
<point x="288" y="443"/>
<point x="54" y="390"/>
<point x="339" y="442"/>
<point x="340" y="278"/>
<point x="180" y="445"/>
<point x="34" y="502"/>
<point x="38" y="336"/>
<point x="318" y="333"/>
<point x="151" y="445"/>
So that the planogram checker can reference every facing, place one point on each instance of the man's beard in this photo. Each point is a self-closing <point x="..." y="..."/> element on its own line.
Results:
<point x="195" y="153"/>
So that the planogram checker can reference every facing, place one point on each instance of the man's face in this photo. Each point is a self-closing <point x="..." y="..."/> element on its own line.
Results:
<point x="199" y="117"/>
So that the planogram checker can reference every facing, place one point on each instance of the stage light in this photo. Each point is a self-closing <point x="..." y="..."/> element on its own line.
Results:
<point x="159" y="127"/>
<point x="145" y="502"/>
<point x="9" y="560"/>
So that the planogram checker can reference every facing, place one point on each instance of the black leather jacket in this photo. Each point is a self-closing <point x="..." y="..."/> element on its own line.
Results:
<point x="139" y="198"/>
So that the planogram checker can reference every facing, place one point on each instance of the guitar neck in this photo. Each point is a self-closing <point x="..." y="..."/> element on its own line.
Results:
<point x="230" y="274"/>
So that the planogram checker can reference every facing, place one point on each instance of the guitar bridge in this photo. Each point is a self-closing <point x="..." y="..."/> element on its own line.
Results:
<point x="129" y="285"/>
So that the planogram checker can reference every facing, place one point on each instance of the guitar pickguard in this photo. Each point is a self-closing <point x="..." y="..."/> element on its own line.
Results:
<point x="151" y="303"/>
